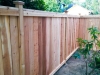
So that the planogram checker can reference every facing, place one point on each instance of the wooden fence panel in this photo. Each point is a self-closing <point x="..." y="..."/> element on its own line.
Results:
<point x="53" y="43"/>
<point x="86" y="23"/>
<point x="46" y="40"/>
<point x="76" y="23"/>
<point x="71" y="35"/>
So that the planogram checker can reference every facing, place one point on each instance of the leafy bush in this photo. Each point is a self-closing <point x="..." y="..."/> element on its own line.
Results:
<point x="85" y="46"/>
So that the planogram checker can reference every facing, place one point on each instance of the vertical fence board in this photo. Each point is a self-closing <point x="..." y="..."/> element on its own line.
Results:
<point x="14" y="45"/>
<point x="36" y="56"/>
<point x="58" y="41"/>
<point x="40" y="41"/>
<point x="67" y="36"/>
<point x="5" y="49"/>
<point x="48" y="21"/>
<point x="62" y="50"/>
<point x="53" y="43"/>
<point x="79" y="28"/>
<point x="26" y="47"/>
<point x="31" y="46"/>
<point x="1" y="58"/>
<point x="44" y="45"/>
<point x="70" y="35"/>
<point x="7" y="25"/>
<point x="77" y="32"/>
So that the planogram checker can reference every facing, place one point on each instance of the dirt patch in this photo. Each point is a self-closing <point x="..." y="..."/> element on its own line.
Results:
<point x="74" y="67"/>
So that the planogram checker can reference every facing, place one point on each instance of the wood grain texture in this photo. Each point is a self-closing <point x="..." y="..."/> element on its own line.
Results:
<point x="58" y="41"/>
<point x="47" y="42"/>
<point x="66" y="36"/>
<point x="62" y="50"/>
<point x="21" y="39"/>
<point x="36" y="53"/>
<point x="5" y="46"/>
<point x="1" y="58"/>
<point x="48" y="23"/>
<point x="14" y="45"/>
<point x="26" y="47"/>
<point x="40" y="42"/>
<point x="44" y="45"/>
<point x="31" y="45"/>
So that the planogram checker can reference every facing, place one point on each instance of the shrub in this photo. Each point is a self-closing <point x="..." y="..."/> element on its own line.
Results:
<point x="85" y="46"/>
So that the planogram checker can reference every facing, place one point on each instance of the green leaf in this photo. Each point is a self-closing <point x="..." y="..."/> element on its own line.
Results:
<point x="77" y="55"/>
<point x="98" y="43"/>
<point x="91" y="65"/>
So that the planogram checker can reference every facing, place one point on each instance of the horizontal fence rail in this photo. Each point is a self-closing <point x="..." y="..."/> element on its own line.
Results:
<point x="36" y="42"/>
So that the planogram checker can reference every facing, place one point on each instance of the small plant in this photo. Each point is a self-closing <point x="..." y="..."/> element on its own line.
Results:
<point x="89" y="50"/>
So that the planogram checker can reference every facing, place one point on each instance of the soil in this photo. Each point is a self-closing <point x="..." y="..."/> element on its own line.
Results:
<point x="74" y="67"/>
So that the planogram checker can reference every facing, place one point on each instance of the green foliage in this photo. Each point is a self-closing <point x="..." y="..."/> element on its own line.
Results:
<point x="86" y="46"/>
<point x="52" y="6"/>
<point x="35" y="4"/>
<point x="48" y="5"/>
<point x="55" y="6"/>
<point x="94" y="32"/>
<point x="7" y="3"/>
<point x="92" y="5"/>
<point x="97" y="60"/>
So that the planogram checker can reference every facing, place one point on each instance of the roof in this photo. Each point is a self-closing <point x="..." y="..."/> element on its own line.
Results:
<point x="78" y="10"/>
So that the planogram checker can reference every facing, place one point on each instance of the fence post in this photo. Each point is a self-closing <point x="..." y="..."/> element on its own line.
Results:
<point x="19" y="4"/>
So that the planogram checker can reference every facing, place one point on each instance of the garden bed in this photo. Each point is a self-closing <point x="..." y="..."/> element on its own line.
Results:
<point x="74" y="67"/>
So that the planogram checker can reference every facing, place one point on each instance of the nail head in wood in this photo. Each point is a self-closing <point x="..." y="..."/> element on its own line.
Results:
<point x="18" y="2"/>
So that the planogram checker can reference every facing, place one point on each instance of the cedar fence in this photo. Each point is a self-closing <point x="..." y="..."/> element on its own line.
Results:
<point x="36" y="42"/>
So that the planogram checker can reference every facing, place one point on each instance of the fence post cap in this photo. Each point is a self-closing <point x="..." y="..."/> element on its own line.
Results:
<point x="18" y="2"/>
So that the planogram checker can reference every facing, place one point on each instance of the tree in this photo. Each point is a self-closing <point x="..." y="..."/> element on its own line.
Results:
<point x="35" y="4"/>
<point x="48" y="5"/>
<point x="93" y="5"/>
<point x="56" y="5"/>
<point x="52" y="5"/>
<point x="7" y="2"/>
